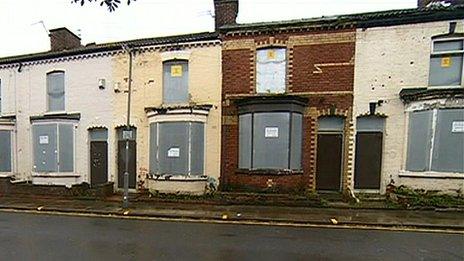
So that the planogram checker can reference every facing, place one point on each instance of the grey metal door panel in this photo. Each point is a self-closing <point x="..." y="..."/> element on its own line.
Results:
<point x="368" y="160"/>
<point x="175" y="86"/>
<point x="448" y="147"/>
<point x="329" y="161"/>
<point x="45" y="148"/>
<point x="197" y="148"/>
<point x="5" y="151"/>
<point x="272" y="151"/>
<point x="99" y="162"/>
<point x="173" y="148"/>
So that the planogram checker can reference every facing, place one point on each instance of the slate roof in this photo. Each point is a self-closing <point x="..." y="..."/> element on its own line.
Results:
<point x="360" y="20"/>
<point x="94" y="48"/>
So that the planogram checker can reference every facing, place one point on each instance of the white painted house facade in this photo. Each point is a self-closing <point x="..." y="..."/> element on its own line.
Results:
<point x="409" y="92"/>
<point x="52" y="106"/>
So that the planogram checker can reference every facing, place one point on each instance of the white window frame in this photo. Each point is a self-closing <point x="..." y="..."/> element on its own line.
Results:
<point x="433" y="53"/>
<point x="58" y="173"/>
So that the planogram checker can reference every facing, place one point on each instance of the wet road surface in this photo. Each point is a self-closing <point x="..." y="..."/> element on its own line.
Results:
<point x="46" y="237"/>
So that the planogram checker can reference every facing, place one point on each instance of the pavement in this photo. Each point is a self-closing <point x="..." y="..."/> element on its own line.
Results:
<point x="246" y="214"/>
<point x="26" y="236"/>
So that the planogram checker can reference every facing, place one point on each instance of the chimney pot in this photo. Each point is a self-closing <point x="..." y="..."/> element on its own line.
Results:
<point x="63" y="39"/>
<point x="225" y="12"/>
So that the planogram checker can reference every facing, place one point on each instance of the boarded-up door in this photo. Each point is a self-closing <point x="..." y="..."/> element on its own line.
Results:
<point x="368" y="160"/>
<point x="329" y="161"/>
<point x="99" y="162"/>
<point x="122" y="158"/>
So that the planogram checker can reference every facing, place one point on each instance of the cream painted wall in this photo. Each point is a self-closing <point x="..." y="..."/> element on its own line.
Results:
<point x="387" y="60"/>
<point x="26" y="96"/>
<point x="147" y="86"/>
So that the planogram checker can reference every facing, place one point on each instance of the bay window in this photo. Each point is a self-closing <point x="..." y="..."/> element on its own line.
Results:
<point x="270" y="136"/>
<point x="5" y="151"/>
<point x="53" y="147"/>
<point x="177" y="148"/>
<point x="436" y="140"/>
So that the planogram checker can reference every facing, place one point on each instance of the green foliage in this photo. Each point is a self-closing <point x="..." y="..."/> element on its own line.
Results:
<point x="110" y="4"/>
<point x="422" y="198"/>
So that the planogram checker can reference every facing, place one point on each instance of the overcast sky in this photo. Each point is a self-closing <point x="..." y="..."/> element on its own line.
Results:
<point x="21" y="33"/>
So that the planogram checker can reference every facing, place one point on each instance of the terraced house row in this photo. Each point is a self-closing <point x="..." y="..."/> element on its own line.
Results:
<point x="347" y="103"/>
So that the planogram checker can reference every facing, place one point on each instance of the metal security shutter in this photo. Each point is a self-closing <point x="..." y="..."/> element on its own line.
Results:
<point x="45" y="148"/>
<point x="66" y="148"/>
<point x="448" y="147"/>
<point x="245" y="139"/>
<point x="271" y="140"/>
<point x="173" y="148"/>
<point x="296" y="139"/>
<point x="197" y="148"/>
<point x="5" y="151"/>
<point x="419" y="140"/>
<point x="154" y="162"/>
<point x="55" y="90"/>
<point x="271" y="70"/>
<point x="175" y="82"/>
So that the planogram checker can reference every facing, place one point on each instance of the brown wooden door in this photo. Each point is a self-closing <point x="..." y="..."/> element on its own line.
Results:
<point x="98" y="162"/>
<point x="329" y="161"/>
<point x="368" y="160"/>
<point x="122" y="163"/>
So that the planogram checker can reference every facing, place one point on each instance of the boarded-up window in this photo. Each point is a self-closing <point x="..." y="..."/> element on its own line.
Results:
<point x="53" y="147"/>
<point x="0" y="96"/>
<point x="175" y="82"/>
<point x="448" y="147"/>
<point x="436" y="140"/>
<point x="271" y="70"/>
<point x="446" y="63"/>
<point x="55" y="91"/>
<point x="5" y="151"/>
<point x="177" y="148"/>
<point x="270" y="140"/>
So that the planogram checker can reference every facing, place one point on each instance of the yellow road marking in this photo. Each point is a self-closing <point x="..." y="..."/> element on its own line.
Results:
<point x="238" y="222"/>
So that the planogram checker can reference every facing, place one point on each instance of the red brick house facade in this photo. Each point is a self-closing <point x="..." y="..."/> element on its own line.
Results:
<point x="319" y="73"/>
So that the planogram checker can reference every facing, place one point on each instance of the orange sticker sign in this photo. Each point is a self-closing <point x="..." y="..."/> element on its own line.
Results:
<point x="176" y="71"/>
<point x="446" y="62"/>
<point x="271" y="54"/>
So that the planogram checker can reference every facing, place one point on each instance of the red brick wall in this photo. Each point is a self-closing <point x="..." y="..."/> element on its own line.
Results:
<point x="333" y="78"/>
<point x="336" y="81"/>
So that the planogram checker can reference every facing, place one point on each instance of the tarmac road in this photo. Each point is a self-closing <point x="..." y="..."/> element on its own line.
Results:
<point x="25" y="236"/>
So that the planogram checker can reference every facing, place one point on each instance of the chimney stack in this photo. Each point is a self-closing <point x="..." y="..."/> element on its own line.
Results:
<point x="63" y="39"/>
<point x="225" y="12"/>
<point x="425" y="3"/>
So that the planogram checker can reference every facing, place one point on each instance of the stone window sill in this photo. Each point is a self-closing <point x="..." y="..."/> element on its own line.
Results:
<point x="431" y="175"/>
<point x="56" y="175"/>
<point x="278" y="172"/>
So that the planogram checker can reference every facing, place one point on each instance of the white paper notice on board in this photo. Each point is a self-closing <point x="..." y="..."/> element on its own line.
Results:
<point x="43" y="139"/>
<point x="271" y="132"/>
<point x="174" y="152"/>
<point x="458" y="126"/>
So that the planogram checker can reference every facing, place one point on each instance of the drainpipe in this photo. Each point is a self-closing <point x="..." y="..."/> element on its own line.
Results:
<point x="125" y="202"/>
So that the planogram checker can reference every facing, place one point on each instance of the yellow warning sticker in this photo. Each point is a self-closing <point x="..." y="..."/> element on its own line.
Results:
<point x="446" y="62"/>
<point x="271" y="54"/>
<point x="176" y="71"/>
